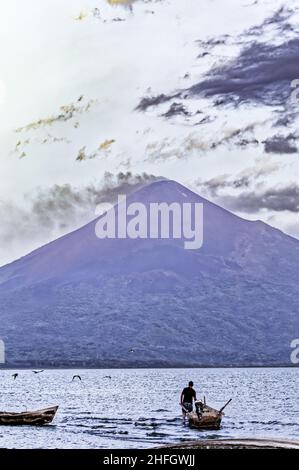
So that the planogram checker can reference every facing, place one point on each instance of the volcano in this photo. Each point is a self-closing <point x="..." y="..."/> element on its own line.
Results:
<point x="85" y="301"/>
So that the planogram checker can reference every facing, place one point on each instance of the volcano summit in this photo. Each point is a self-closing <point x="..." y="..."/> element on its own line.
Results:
<point x="85" y="301"/>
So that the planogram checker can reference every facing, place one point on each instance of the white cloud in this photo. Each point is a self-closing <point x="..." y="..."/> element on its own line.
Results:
<point x="2" y="92"/>
<point x="49" y="59"/>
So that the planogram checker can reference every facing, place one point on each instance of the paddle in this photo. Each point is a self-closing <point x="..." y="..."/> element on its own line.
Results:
<point x="221" y="409"/>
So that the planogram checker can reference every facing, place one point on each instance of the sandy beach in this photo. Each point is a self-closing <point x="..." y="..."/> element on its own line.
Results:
<point x="237" y="444"/>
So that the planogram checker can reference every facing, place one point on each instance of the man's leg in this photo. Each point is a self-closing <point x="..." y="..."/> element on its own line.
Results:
<point x="186" y="407"/>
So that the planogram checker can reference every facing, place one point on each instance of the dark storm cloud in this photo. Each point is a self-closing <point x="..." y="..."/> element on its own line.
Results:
<point x="262" y="74"/>
<point x="281" y="144"/>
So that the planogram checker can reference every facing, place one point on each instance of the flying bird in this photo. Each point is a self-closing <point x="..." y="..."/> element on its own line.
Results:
<point x="76" y="377"/>
<point x="38" y="371"/>
<point x="15" y="376"/>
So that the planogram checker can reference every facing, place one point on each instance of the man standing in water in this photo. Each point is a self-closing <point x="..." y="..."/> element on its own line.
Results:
<point x="187" y="397"/>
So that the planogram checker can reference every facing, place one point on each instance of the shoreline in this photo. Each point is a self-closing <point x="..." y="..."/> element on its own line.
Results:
<point x="129" y="367"/>
<point x="262" y="443"/>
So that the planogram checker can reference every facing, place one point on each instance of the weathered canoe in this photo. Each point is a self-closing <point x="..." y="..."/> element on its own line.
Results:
<point x="205" y="417"/>
<point x="31" y="418"/>
<point x="209" y="419"/>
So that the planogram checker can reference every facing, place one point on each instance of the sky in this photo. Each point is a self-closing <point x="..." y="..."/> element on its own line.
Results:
<point x="95" y="95"/>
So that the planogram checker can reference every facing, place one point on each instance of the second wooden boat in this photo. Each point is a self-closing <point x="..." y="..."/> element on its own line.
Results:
<point x="30" y="418"/>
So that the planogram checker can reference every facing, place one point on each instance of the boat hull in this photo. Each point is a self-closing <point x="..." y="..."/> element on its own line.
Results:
<point x="210" y="419"/>
<point x="28" y="418"/>
<point x="205" y="423"/>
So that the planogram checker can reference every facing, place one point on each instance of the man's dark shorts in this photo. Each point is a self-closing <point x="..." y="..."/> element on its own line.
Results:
<point x="188" y="406"/>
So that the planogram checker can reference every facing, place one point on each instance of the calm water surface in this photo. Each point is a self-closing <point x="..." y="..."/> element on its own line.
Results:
<point x="139" y="408"/>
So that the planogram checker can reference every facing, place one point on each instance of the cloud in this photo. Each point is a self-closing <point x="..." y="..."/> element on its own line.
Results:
<point x="262" y="74"/>
<point x="201" y="142"/>
<point x="2" y="92"/>
<point x="66" y="112"/>
<point x="120" y="2"/>
<point x="246" y="191"/>
<point x="150" y="101"/>
<point x="244" y="179"/>
<point x="173" y="148"/>
<point x="251" y="195"/>
<point x="240" y="136"/>
<point x="279" y="20"/>
<point x="278" y="199"/>
<point x="281" y="144"/>
<point x="50" y="213"/>
<point x="104" y="148"/>
<point x="176" y="109"/>
<point x="69" y="112"/>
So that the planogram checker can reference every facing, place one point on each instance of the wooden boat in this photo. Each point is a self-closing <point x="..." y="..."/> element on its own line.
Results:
<point x="205" y="417"/>
<point x="32" y="418"/>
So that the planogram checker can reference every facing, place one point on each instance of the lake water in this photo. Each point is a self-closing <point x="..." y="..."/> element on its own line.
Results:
<point x="140" y="408"/>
